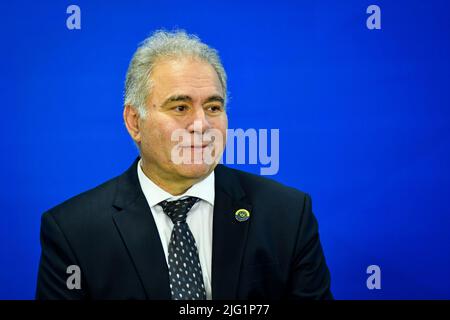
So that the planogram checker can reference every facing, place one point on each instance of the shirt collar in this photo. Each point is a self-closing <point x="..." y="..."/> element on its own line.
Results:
<point x="154" y="194"/>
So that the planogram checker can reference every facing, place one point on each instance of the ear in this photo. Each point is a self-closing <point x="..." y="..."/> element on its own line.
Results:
<point x="131" y="118"/>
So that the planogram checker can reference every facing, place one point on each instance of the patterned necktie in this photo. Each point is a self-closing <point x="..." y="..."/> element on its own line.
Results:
<point x="185" y="272"/>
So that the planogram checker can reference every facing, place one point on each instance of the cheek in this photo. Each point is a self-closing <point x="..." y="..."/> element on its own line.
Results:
<point x="159" y="139"/>
<point x="222" y="126"/>
<point x="219" y="127"/>
<point x="151" y="136"/>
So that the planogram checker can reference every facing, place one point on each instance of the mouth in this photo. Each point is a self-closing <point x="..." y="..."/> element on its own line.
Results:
<point x="195" y="147"/>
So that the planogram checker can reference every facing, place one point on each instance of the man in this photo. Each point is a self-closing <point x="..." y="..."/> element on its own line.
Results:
<point x="176" y="224"/>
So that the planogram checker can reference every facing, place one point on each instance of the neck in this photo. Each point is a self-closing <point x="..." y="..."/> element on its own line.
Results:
<point x="168" y="183"/>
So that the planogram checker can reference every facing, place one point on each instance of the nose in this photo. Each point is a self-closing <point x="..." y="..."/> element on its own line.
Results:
<point x="199" y="122"/>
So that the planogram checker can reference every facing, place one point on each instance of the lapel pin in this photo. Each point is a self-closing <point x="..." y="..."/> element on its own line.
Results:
<point x="242" y="215"/>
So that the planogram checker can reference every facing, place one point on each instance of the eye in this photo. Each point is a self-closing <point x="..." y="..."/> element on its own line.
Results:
<point x="180" y="108"/>
<point x="215" y="108"/>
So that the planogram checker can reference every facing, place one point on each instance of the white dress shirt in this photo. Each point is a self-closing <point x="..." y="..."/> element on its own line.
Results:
<point x="199" y="218"/>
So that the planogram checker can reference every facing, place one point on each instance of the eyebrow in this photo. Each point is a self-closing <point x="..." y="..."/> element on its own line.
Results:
<point x="215" y="98"/>
<point x="186" y="98"/>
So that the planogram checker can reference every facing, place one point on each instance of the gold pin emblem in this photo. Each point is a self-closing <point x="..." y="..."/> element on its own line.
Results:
<point x="242" y="215"/>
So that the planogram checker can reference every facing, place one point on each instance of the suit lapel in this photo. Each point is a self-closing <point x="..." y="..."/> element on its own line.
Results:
<point x="138" y="230"/>
<point x="229" y="235"/>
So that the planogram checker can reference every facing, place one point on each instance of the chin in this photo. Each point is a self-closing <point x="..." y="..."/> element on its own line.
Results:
<point x="195" y="171"/>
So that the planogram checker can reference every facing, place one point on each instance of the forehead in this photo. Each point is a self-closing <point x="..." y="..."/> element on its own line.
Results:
<point x="185" y="76"/>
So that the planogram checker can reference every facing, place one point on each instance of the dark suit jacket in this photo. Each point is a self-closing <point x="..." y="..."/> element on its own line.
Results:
<point x="109" y="232"/>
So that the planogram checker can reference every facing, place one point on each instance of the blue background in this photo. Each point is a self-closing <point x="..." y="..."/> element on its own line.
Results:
<point x="363" y="115"/>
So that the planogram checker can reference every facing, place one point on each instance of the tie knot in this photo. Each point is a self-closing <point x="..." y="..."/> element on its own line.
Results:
<point x="177" y="210"/>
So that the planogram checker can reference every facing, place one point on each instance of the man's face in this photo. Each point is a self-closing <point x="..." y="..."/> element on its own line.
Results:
<point x="186" y="96"/>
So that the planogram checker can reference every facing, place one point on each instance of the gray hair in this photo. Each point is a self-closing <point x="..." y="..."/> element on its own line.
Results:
<point x="165" y="44"/>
